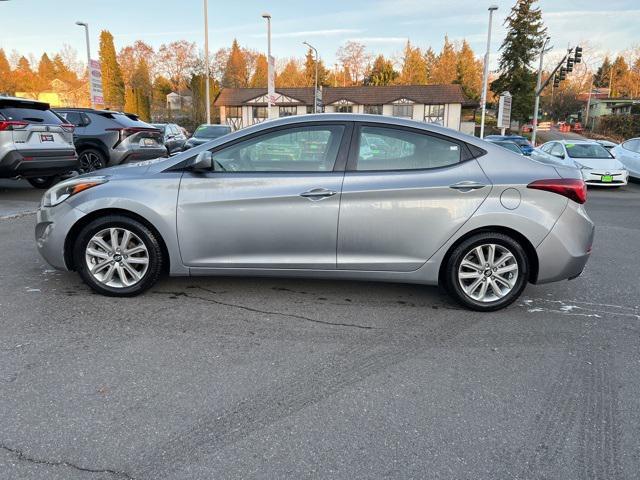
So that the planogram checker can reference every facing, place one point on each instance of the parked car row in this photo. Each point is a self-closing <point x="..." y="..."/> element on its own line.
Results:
<point x="43" y="145"/>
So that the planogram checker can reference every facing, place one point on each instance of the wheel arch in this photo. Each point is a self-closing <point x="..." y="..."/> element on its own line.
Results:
<point x="84" y="144"/>
<point x="528" y="247"/>
<point x="77" y="227"/>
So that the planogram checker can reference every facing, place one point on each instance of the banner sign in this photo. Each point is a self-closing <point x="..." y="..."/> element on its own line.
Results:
<point x="95" y="80"/>
<point x="504" y="110"/>
<point x="271" y="81"/>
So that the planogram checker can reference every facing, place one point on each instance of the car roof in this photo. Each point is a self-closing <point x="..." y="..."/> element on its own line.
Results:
<point x="26" y="101"/>
<point x="90" y="110"/>
<point x="576" y="141"/>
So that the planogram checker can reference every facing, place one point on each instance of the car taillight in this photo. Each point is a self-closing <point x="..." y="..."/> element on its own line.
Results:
<point x="12" y="125"/>
<point x="571" y="188"/>
<point x="127" y="132"/>
<point x="67" y="127"/>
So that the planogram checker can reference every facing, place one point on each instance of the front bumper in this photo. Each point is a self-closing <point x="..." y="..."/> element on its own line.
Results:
<point x="594" y="177"/>
<point x="565" y="250"/>
<point x="52" y="227"/>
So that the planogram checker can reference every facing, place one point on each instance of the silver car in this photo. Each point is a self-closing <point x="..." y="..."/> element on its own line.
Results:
<point x="327" y="196"/>
<point x="628" y="152"/>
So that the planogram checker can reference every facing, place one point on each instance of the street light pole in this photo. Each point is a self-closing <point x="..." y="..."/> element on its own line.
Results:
<point x="536" y="105"/>
<point x="206" y="59"/>
<point x="86" y="33"/>
<point x="485" y="75"/>
<point x="315" y="88"/>
<point x="270" y="73"/>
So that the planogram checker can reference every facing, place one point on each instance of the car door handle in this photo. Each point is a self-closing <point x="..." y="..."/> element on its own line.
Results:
<point x="467" y="186"/>
<point x="318" y="193"/>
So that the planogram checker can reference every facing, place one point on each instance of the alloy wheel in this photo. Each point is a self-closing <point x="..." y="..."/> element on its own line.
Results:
<point x="89" y="162"/>
<point x="488" y="272"/>
<point x="117" y="257"/>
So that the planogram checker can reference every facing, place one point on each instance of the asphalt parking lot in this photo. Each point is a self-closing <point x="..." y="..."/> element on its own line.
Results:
<point x="262" y="378"/>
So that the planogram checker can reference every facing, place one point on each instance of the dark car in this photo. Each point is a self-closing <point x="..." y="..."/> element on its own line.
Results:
<point x="173" y="136"/>
<point x="509" y="145"/>
<point x="104" y="138"/>
<point x="35" y="143"/>
<point x="205" y="133"/>
<point x="519" y="140"/>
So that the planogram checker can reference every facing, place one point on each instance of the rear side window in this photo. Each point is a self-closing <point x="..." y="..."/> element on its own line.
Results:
<point x="30" y="115"/>
<point x="394" y="149"/>
<point x="633" y="145"/>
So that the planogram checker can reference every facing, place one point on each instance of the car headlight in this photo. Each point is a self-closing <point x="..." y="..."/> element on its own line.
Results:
<point x="63" y="190"/>
<point x="582" y="167"/>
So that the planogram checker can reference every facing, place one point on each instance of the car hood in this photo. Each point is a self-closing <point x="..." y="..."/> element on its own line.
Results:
<point x="127" y="169"/>
<point x="599" y="163"/>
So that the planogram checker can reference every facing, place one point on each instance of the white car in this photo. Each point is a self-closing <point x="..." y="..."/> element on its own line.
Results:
<point x="629" y="154"/>
<point x="597" y="165"/>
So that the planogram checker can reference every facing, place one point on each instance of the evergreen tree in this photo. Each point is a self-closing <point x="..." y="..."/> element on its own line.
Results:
<point x="382" y="72"/>
<point x="525" y="34"/>
<point x="603" y="73"/>
<point x="46" y="69"/>
<point x="310" y="70"/>
<point x="445" y="67"/>
<point x="619" y="78"/>
<point x="260" y="72"/>
<point x="291" y="75"/>
<point x="161" y="88"/>
<point x="142" y="84"/>
<point x="430" y="59"/>
<point x="7" y="85"/>
<point x="414" y="69"/>
<point x="112" y="82"/>
<point x="469" y="72"/>
<point x="235" y="72"/>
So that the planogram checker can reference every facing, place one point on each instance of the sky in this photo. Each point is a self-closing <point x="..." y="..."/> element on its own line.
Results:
<point x="36" y="26"/>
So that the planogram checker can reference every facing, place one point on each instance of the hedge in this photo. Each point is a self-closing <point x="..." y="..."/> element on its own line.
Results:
<point x="619" y="126"/>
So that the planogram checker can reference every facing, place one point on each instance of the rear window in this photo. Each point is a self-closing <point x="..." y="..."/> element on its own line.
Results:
<point x="211" y="131"/>
<point x="125" y="120"/>
<point x="30" y="115"/>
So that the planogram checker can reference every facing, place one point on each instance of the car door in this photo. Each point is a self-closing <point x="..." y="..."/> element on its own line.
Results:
<point x="272" y="200"/>
<point x="405" y="192"/>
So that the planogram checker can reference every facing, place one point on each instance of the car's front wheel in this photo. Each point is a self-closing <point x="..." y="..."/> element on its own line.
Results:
<point x="487" y="271"/>
<point x="118" y="256"/>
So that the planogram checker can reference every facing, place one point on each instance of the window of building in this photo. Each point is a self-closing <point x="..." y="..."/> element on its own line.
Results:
<point x="260" y="112"/>
<point x="397" y="149"/>
<point x="234" y="112"/>
<point x="373" y="109"/>
<point x="287" y="111"/>
<point x="303" y="149"/>
<point x="434" y="114"/>
<point x="403" y="110"/>
<point x="344" y="109"/>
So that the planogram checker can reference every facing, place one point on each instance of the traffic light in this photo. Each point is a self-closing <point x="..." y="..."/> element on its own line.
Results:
<point x="563" y="73"/>
<point x="570" y="64"/>
<point x="556" y="81"/>
<point x="577" y="54"/>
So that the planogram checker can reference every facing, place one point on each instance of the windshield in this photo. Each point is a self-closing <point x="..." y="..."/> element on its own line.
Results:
<point x="211" y="131"/>
<point x="520" y="141"/>
<point x="587" y="150"/>
<point x="510" y="146"/>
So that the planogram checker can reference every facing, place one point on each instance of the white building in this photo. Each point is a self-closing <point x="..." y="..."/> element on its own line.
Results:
<point x="445" y="105"/>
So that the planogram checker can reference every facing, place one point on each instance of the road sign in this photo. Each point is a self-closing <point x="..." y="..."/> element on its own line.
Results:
<point x="271" y="81"/>
<point x="504" y="110"/>
<point x="95" y="80"/>
<point x="318" y="100"/>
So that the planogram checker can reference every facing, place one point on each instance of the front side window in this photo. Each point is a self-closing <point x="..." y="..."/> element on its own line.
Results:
<point x="304" y="149"/>
<point x="373" y="109"/>
<point x="557" y="150"/>
<point x="394" y="149"/>
<point x="403" y="111"/>
<point x="434" y="114"/>
<point x="288" y="111"/>
<point x="234" y="112"/>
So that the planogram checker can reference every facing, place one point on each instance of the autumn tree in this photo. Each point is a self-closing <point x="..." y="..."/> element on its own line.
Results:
<point x="260" y="72"/>
<point x="160" y="89"/>
<point x="354" y="59"/>
<point x="235" y="73"/>
<point x="112" y="82"/>
<point x="525" y="33"/>
<point x="7" y="85"/>
<point x="469" y="71"/>
<point x="414" y="68"/>
<point x="430" y="59"/>
<point x="382" y="72"/>
<point x="619" y="78"/>
<point x="445" y="70"/>
<point x="46" y="69"/>
<point x="291" y="75"/>
<point x="25" y="79"/>
<point x="175" y="61"/>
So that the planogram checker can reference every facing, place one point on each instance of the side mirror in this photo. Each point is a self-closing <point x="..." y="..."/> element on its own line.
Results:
<point x="202" y="163"/>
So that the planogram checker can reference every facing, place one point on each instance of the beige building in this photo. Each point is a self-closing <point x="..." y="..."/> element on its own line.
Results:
<point x="445" y="105"/>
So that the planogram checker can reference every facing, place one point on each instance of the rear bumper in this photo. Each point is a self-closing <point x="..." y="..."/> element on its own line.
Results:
<point x="118" y="157"/>
<point x="564" y="252"/>
<point x="37" y="163"/>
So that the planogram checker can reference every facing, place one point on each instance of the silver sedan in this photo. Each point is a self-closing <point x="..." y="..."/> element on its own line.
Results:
<point x="328" y="196"/>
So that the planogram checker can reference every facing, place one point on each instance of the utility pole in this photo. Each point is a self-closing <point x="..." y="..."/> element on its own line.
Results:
<point x="485" y="75"/>
<point x="206" y="59"/>
<point x="315" y="88"/>
<point x="586" y="115"/>
<point x="537" y="101"/>
<point x="86" y="33"/>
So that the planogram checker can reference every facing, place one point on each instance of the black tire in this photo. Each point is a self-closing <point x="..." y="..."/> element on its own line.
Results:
<point x="452" y="268"/>
<point x="90" y="160"/>
<point x="42" y="182"/>
<point x="150" y="240"/>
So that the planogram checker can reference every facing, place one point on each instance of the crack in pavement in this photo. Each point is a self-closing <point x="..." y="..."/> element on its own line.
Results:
<point x="256" y="310"/>
<point x="63" y="463"/>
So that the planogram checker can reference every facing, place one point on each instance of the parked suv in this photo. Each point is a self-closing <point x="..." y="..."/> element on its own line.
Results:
<point x="173" y="136"/>
<point x="35" y="143"/>
<point x="104" y="138"/>
<point x="205" y="133"/>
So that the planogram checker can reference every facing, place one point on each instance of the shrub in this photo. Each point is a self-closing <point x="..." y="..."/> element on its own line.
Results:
<point x="619" y="126"/>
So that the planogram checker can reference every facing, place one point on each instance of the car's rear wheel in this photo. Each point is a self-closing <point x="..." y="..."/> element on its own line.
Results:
<point x="42" y="182"/>
<point x="487" y="271"/>
<point x="118" y="256"/>
<point x="90" y="160"/>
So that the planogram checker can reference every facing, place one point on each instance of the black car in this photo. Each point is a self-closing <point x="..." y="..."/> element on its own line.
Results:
<point x="104" y="138"/>
<point x="205" y="133"/>
<point x="173" y="136"/>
